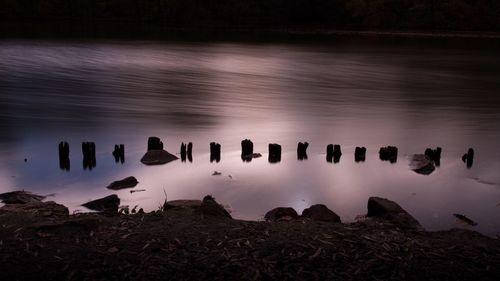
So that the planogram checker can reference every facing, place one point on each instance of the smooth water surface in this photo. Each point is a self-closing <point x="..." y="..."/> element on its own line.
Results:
<point x="411" y="95"/>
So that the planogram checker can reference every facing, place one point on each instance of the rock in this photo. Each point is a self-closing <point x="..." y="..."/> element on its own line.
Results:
<point x="360" y="154"/>
<point x="302" y="150"/>
<point x="274" y="153"/>
<point x="20" y="197"/>
<point x="154" y="143"/>
<point x="210" y="207"/>
<point x="320" y="212"/>
<point x="422" y="164"/>
<point x="157" y="157"/>
<point x="281" y="213"/>
<point x="390" y="210"/>
<point x="183" y="204"/>
<point x="249" y="157"/>
<point x="38" y="208"/>
<point x="127" y="182"/>
<point x="388" y="153"/>
<point x="207" y="207"/>
<point x="106" y="204"/>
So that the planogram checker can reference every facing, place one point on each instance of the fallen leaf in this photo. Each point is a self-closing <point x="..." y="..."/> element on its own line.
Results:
<point x="112" y="250"/>
<point x="43" y="234"/>
<point x="316" y="254"/>
<point x="126" y="236"/>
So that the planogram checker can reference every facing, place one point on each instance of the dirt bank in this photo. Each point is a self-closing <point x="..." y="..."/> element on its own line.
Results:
<point x="39" y="241"/>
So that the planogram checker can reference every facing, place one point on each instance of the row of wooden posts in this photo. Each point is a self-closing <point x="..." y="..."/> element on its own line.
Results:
<point x="333" y="153"/>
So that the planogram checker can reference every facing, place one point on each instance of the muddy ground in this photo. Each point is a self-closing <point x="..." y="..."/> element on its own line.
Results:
<point x="42" y="242"/>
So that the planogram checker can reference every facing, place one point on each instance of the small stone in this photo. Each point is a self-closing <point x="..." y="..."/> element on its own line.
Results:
<point x="127" y="182"/>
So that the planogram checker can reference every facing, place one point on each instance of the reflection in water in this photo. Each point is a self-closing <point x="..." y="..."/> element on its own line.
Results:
<point x="367" y="95"/>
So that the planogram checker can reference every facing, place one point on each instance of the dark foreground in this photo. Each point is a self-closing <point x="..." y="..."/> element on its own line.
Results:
<point x="39" y="241"/>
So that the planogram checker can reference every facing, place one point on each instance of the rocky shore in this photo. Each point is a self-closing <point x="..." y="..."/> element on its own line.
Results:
<point x="198" y="240"/>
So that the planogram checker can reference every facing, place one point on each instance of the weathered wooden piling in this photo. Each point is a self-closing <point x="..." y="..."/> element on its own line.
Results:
<point x="119" y="153"/>
<point x="274" y="153"/>
<point x="89" y="159"/>
<point x="468" y="157"/>
<point x="190" y="152"/>
<point x="434" y="155"/>
<point x="183" y="152"/>
<point x="333" y="153"/>
<point x="246" y="150"/>
<point x="388" y="153"/>
<point x="156" y="154"/>
<point x="360" y="154"/>
<point x="302" y="150"/>
<point x="329" y="153"/>
<point x="215" y="149"/>
<point x="64" y="162"/>
<point x="336" y="153"/>
<point x="154" y="143"/>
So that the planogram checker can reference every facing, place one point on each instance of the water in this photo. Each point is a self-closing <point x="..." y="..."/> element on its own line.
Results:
<point x="355" y="94"/>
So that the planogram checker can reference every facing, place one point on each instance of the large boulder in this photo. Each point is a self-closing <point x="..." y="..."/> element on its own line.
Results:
<point x="38" y="209"/>
<point x="157" y="157"/>
<point x="210" y="207"/>
<point x="390" y="210"/>
<point x="106" y="204"/>
<point x="20" y="197"/>
<point x="181" y="204"/>
<point x="422" y="164"/>
<point x="320" y="212"/>
<point x="281" y="213"/>
<point x="127" y="182"/>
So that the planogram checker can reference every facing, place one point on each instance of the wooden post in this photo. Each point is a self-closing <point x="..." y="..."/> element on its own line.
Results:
<point x="64" y="162"/>
<point x="215" y="149"/>
<point x="360" y="154"/>
<point x="302" y="150"/>
<point x="274" y="153"/>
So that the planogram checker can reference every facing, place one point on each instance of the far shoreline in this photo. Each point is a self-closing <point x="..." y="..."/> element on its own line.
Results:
<point x="123" y="30"/>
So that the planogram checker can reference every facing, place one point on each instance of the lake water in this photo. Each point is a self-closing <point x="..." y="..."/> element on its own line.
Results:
<point x="361" y="93"/>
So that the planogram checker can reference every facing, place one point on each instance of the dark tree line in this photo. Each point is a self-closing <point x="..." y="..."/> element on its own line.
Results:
<point x="367" y="14"/>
